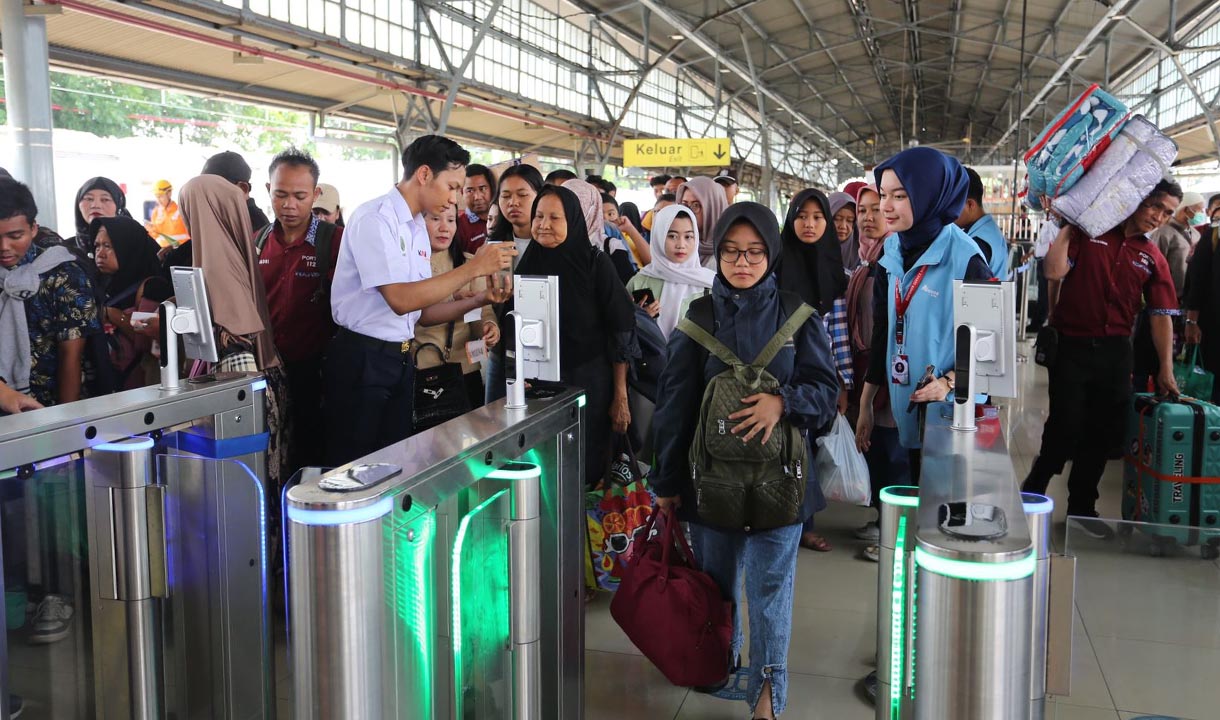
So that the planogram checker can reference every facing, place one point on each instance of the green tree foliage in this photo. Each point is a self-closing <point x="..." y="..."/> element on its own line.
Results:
<point x="112" y="108"/>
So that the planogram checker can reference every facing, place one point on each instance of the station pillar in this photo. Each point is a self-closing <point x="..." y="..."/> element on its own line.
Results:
<point x="27" y="83"/>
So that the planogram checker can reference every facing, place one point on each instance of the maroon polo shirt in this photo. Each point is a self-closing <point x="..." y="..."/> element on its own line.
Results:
<point x="471" y="234"/>
<point x="1110" y="279"/>
<point x="302" y="327"/>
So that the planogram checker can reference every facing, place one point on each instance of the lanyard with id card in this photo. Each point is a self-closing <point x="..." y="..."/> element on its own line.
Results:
<point x="900" y="365"/>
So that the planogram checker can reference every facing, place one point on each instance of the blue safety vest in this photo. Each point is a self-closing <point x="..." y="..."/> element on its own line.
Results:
<point x="928" y="333"/>
<point x="986" y="230"/>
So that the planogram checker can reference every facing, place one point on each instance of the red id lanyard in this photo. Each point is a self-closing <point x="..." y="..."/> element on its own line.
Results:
<point x="902" y="302"/>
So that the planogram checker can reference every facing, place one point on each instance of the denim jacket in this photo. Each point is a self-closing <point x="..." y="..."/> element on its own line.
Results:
<point x="744" y="322"/>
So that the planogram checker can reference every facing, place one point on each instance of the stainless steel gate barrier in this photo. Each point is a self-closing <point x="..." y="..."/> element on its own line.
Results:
<point x="442" y="577"/>
<point x="137" y="522"/>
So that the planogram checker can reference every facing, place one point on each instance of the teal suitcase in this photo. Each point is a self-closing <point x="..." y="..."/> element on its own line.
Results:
<point x="1174" y="450"/>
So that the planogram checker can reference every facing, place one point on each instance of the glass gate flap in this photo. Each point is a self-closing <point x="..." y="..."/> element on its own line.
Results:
<point x="481" y="642"/>
<point x="409" y="545"/>
<point x="218" y="625"/>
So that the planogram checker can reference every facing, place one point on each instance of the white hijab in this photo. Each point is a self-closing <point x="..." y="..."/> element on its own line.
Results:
<point x="681" y="279"/>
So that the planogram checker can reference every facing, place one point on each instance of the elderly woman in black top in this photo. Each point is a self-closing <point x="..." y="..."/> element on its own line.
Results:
<point x="595" y="318"/>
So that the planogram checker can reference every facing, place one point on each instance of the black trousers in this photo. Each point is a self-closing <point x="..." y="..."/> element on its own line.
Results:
<point x="307" y="446"/>
<point x="1090" y="395"/>
<point x="370" y="388"/>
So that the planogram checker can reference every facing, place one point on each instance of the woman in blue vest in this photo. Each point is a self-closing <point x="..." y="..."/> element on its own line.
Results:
<point x="922" y="193"/>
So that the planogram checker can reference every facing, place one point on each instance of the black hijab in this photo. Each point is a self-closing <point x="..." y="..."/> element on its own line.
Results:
<point x="763" y="221"/>
<point x="632" y="213"/>
<point x="586" y="317"/>
<point x="815" y="272"/>
<point x="82" y="225"/>
<point x="136" y="253"/>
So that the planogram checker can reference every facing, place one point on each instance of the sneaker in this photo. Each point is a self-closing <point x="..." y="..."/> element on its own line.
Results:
<point x="872" y="553"/>
<point x="1094" y="528"/>
<point x="870" y="532"/>
<point x="52" y="620"/>
<point x="16" y="706"/>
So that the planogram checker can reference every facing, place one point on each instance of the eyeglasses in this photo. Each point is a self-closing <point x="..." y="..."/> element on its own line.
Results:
<point x="754" y="256"/>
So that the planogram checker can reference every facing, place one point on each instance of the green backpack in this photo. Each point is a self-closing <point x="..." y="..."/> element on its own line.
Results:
<point x="744" y="486"/>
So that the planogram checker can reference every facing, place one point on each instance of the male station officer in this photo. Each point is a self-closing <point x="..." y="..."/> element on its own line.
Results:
<point x="981" y="226"/>
<point x="1105" y="281"/>
<point x="383" y="286"/>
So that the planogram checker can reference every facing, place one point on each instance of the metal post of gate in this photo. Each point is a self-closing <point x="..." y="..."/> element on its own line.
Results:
<point x="125" y="509"/>
<point x="1038" y="511"/>
<point x="525" y="567"/>
<point x="895" y="596"/>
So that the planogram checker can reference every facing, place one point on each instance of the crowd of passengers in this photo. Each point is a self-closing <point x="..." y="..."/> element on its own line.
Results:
<point x="341" y="314"/>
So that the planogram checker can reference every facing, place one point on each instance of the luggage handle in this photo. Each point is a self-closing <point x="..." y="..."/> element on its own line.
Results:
<point x="671" y="529"/>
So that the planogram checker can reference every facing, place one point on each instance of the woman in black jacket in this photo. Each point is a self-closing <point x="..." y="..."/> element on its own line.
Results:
<point x="747" y="310"/>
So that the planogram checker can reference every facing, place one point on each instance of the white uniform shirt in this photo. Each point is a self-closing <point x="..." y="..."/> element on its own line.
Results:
<point x="1046" y="237"/>
<point x="383" y="244"/>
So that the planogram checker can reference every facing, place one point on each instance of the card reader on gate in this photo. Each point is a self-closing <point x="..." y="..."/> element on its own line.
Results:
<point x="972" y="521"/>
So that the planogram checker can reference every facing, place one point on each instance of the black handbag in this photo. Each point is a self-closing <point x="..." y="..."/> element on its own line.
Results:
<point x="1046" y="347"/>
<point x="440" y="392"/>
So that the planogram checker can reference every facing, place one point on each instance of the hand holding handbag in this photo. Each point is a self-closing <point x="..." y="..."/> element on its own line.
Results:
<point x="440" y="392"/>
<point x="674" y="612"/>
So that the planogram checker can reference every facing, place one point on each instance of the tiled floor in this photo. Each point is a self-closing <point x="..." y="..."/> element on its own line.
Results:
<point x="1146" y="640"/>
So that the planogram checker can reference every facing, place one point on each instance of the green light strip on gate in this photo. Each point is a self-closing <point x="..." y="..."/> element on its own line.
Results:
<point x="889" y="497"/>
<point x="965" y="570"/>
<point x="582" y="401"/>
<point x="515" y="471"/>
<point x="898" y="594"/>
<point x="456" y="570"/>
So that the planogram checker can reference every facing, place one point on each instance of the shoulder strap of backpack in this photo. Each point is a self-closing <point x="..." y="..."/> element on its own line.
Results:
<point x="322" y="250"/>
<point x="260" y="240"/>
<point x="698" y="325"/>
<point x="787" y="330"/>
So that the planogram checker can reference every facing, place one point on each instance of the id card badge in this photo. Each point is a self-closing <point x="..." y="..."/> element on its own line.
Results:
<point x="476" y="351"/>
<point x="900" y="370"/>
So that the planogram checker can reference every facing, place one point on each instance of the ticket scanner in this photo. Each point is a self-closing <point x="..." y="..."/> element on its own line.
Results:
<point x="962" y="588"/>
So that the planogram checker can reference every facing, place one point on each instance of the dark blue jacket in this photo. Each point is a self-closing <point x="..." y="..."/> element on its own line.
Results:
<point x="745" y="321"/>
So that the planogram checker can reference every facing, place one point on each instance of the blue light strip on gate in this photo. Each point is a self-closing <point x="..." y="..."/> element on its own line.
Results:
<point x="132" y="445"/>
<point x="379" y="509"/>
<point x="258" y="385"/>
<point x="1035" y="504"/>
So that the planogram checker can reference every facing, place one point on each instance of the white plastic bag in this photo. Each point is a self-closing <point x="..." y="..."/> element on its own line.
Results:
<point x="841" y="468"/>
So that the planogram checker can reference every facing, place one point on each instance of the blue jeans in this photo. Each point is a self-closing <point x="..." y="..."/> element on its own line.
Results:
<point x="768" y="560"/>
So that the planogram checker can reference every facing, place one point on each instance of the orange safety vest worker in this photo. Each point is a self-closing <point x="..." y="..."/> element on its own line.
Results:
<point x="166" y="225"/>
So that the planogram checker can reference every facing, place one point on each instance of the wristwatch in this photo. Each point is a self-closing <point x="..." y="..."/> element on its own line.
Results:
<point x="1191" y="322"/>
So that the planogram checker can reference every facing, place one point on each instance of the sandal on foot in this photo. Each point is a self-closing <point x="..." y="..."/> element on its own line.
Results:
<point x="815" y="542"/>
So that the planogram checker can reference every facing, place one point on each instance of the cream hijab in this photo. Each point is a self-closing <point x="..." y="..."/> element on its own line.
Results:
<point x="714" y="202"/>
<point x="223" y="245"/>
<point x="681" y="279"/>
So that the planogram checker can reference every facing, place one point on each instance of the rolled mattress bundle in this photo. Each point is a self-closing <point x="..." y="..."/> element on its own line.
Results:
<point x="1120" y="178"/>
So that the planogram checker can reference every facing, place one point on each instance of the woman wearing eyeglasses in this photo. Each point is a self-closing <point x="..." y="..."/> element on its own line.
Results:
<point x="747" y="309"/>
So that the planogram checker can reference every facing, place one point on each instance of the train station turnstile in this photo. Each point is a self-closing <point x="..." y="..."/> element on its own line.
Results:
<point x="138" y="522"/>
<point x="442" y="577"/>
<point x="963" y="585"/>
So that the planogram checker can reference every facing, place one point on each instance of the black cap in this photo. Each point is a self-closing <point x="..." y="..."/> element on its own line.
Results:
<point x="229" y="165"/>
<point x="725" y="178"/>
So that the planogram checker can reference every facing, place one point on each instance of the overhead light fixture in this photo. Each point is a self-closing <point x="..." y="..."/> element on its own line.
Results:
<point x="1079" y="57"/>
<point x="725" y="70"/>
<point x="676" y="36"/>
<point x="1120" y="16"/>
<point x="966" y="140"/>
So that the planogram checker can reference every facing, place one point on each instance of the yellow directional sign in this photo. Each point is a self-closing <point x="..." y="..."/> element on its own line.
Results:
<point x="680" y="152"/>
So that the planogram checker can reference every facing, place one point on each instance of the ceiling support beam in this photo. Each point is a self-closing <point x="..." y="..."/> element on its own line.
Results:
<point x="459" y="73"/>
<point x="1185" y="77"/>
<point x="664" y="13"/>
<point x="1116" y="8"/>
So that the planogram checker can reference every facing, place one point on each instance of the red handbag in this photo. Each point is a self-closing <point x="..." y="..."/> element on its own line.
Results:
<point x="672" y="611"/>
